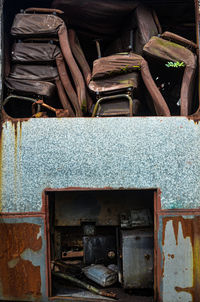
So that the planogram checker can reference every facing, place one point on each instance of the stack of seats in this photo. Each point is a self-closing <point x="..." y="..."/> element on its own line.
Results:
<point x="38" y="68"/>
<point x="141" y="38"/>
<point x="48" y="61"/>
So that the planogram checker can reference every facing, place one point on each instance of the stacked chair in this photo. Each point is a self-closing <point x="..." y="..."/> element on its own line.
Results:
<point x="38" y="68"/>
<point x="172" y="51"/>
<point x="122" y="71"/>
<point x="48" y="64"/>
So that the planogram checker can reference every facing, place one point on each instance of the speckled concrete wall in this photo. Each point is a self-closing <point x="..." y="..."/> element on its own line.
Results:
<point x="135" y="153"/>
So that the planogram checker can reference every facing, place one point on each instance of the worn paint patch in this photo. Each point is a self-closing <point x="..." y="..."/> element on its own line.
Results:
<point x="19" y="277"/>
<point x="181" y="258"/>
<point x="39" y="234"/>
<point x="12" y="263"/>
<point x="186" y="224"/>
<point x="31" y="256"/>
<point x="178" y="264"/>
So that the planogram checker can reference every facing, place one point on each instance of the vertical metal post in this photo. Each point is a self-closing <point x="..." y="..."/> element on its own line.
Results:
<point x="197" y="22"/>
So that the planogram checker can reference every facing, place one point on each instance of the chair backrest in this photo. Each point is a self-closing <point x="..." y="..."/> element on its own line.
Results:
<point x="46" y="24"/>
<point x="141" y="25"/>
<point x="145" y="27"/>
<point x="114" y="65"/>
<point x="167" y="51"/>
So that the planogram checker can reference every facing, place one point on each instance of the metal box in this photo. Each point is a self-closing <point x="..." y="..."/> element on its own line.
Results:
<point x="99" y="249"/>
<point x="100" y="274"/>
<point x="137" y="258"/>
<point x="136" y="218"/>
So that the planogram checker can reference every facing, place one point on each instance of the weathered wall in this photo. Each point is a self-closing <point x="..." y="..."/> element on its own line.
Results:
<point x="128" y="152"/>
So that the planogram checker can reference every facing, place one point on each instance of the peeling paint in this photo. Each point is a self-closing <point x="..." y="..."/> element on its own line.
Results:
<point x="39" y="234"/>
<point x="186" y="224"/>
<point x="19" y="277"/>
<point x="31" y="256"/>
<point x="178" y="269"/>
<point x="181" y="258"/>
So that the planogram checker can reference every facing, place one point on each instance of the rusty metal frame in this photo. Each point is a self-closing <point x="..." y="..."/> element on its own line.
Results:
<point x="113" y="98"/>
<point x="196" y="115"/>
<point x="46" y="202"/>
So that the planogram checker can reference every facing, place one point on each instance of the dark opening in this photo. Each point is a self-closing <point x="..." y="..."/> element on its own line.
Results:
<point x="104" y="239"/>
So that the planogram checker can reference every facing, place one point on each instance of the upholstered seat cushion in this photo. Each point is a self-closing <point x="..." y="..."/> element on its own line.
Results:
<point x="34" y="72"/>
<point x="34" y="52"/>
<point x="169" y="51"/>
<point x="36" y="25"/>
<point x="123" y="81"/>
<point x="117" y="64"/>
<point x="31" y="88"/>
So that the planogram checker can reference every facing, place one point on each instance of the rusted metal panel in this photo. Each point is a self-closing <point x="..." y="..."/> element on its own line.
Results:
<point x="179" y="272"/>
<point x="137" y="258"/>
<point x="22" y="259"/>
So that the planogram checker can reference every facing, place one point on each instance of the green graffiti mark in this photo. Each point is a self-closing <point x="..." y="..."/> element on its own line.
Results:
<point x="175" y="64"/>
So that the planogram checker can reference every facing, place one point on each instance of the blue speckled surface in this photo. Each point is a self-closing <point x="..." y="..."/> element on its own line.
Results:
<point x="116" y="152"/>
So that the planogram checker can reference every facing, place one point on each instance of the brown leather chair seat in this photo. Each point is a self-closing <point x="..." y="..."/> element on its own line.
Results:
<point x="117" y="82"/>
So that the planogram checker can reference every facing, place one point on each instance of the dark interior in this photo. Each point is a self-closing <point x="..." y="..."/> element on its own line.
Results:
<point x="176" y="16"/>
<point x="92" y="228"/>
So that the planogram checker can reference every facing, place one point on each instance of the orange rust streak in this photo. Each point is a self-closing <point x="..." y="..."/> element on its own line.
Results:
<point x="171" y="256"/>
<point x="163" y="257"/>
<point x="187" y="227"/>
<point x="158" y="293"/>
<point x="191" y="229"/>
<point x="189" y="290"/>
<point x="20" y="133"/>
<point x="24" y="278"/>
